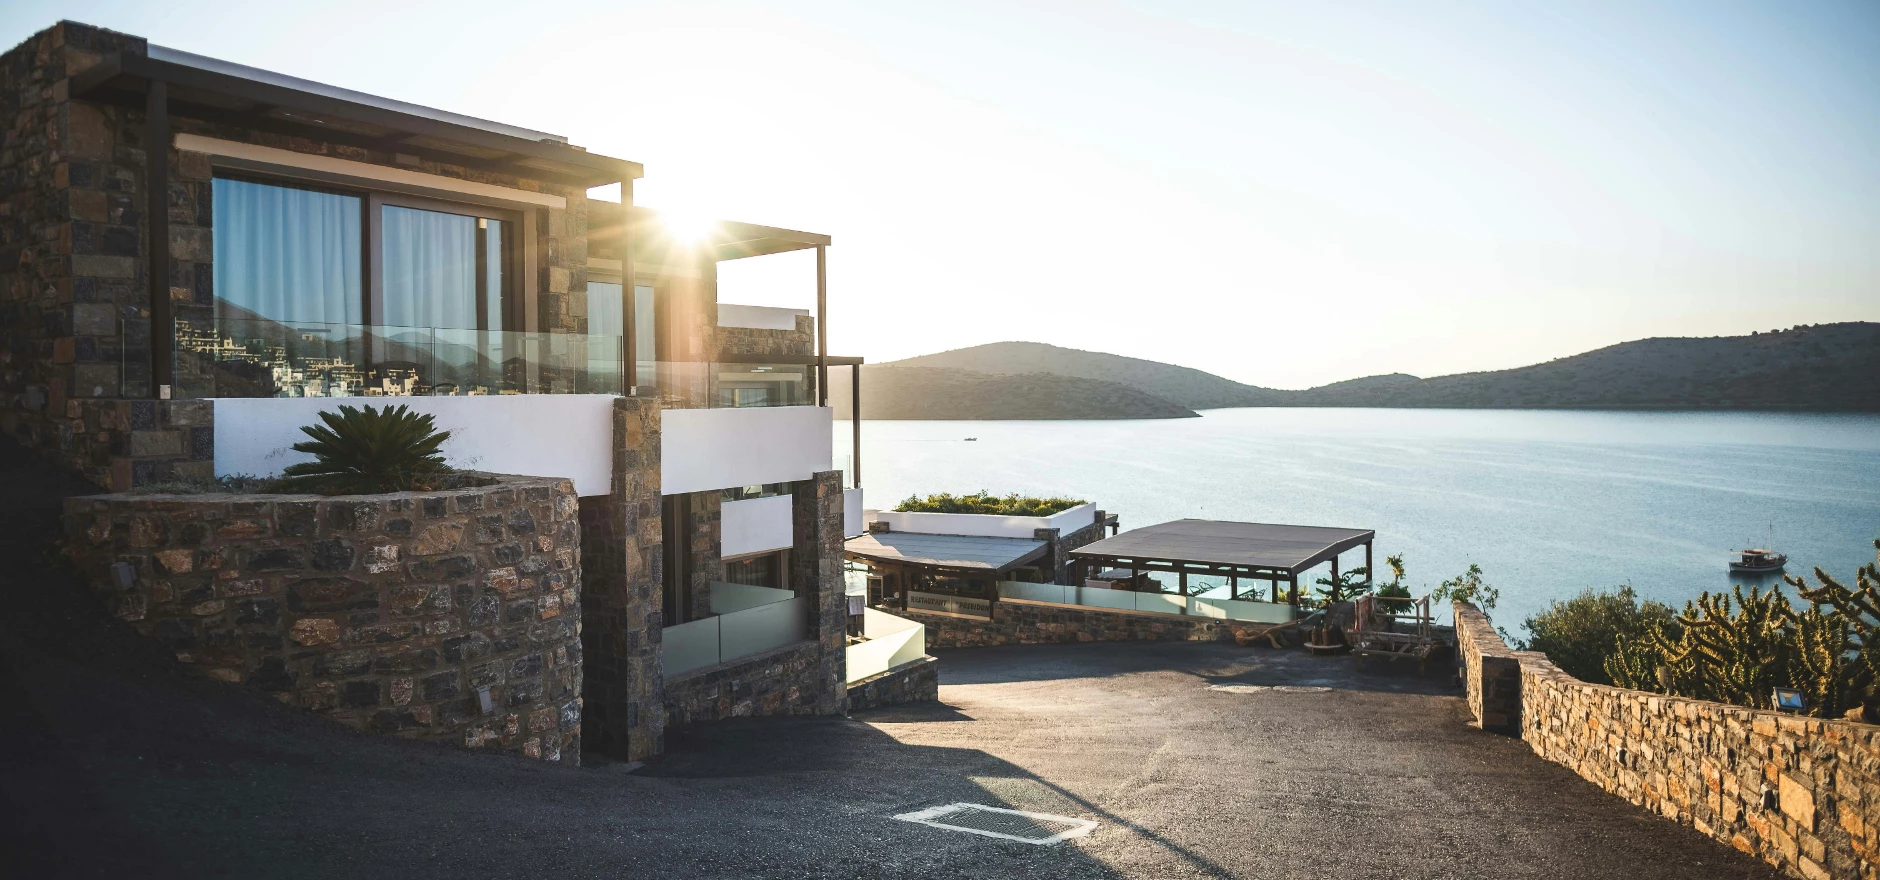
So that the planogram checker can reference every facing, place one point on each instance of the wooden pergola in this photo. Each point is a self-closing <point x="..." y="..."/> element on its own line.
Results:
<point x="1234" y="550"/>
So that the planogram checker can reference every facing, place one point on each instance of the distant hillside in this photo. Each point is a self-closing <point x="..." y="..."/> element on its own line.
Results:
<point x="1825" y="367"/>
<point x="1184" y="385"/>
<point x="899" y="392"/>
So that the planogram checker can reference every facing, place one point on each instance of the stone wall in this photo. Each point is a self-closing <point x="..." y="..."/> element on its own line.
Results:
<point x="784" y="681"/>
<point x="74" y="296"/>
<point x="751" y="340"/>
<point x="1801" y="793"/>
<point x="816" y="574"/>
<point x="916" y="681"/>
<point x="1018" y="622"/>
<point x="1491" y="674"/>
<point x="621" y="544"/>
<point x="389" y="613"/>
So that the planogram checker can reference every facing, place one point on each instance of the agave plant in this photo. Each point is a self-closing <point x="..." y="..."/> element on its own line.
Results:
<point x="366" y="450"/>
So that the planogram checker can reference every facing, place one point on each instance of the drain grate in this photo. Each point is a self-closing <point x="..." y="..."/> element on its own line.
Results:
<point x="1024" y="827"/>
<point x="1268" y="688"/>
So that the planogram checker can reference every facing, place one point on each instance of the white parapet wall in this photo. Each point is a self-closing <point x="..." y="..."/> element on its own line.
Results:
<point x="755" y="525"/>
<point x="538" y="435"/>
<point x="759" y="317"/>
<point x="704" y="449"/>
<point x="984" y="525"/>
<point x="853" y="522"/>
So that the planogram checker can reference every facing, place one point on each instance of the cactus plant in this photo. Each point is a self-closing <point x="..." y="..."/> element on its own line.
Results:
<point x="1859" y="610"/>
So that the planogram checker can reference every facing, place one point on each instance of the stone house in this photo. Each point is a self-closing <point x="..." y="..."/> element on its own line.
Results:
<point x="198" y="256"/>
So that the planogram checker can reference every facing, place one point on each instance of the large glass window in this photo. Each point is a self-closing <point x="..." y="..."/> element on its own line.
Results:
<point x="441" y="270"/>
<point x="324" y="292"/>
<point x="286" y="255"/>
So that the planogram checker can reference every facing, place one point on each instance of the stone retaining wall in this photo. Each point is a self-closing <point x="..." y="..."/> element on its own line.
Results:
<point x="1801" y="793"/>
<point x="1018" y="622"/>
<point x="389" y="613"/>
<point x="916" y="681"/>
<point x="783" y="681"/>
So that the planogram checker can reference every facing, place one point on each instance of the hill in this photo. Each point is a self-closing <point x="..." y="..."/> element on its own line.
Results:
<point x="1187" y="386"/>
<point x="1824" y="367"/>
<point x="892" y="391"/>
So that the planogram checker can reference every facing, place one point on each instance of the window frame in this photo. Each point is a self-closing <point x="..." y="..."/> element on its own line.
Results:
<point x="519" y="257"/>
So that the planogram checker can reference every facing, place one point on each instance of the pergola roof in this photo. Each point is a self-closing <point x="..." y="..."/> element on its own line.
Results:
<point x="220" y="91"/>
<point x="1281" y="548"/>
<point x="945" y="551"/>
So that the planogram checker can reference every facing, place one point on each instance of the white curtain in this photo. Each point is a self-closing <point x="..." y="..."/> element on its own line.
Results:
<point x="286" y="255"/>
<point x="430" y="269"/>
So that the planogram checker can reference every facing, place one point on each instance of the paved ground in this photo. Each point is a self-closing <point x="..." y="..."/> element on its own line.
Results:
<point x="113" y="764"/>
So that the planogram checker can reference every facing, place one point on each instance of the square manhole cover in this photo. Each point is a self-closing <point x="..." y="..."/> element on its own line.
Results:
<point x="1019" y="825"/>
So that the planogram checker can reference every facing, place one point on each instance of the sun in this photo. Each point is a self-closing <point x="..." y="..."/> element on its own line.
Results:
<point x="688" y="227"/>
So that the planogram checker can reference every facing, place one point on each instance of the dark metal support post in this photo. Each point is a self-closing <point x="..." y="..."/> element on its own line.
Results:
<point x="1182" y="582"/>
<point x="157" y="213"/>
<point x="630" y="356"/>
<point x="855" y="424"/>
<point x="822" y="326"/>
<point x="1370" y="571"/>
<point x="1335" y="584"/>
<point x="1293" y="591"/>
<point x="1233" y="586"/>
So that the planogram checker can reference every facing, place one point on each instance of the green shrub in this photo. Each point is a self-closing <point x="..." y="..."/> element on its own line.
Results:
<point x="985" y="502"/>
<point x="368" y="450"/>
<point x="1580" y="633"/>
<point x="1467" y="587"/>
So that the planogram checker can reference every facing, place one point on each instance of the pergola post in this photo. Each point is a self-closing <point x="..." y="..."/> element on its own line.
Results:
<point x="822" y="328"/>
<point x="1292" y="593"/>
<point x="1335" y="585"/>
<point x="1370" y="571"/>
<point x="1233" y="586"/>
<point x="157" y="219"/>
<point x="1181" y="580"/>
<point x="855" y="426"/>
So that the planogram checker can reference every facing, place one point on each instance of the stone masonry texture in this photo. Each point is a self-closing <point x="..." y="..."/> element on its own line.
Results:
<point x="784" y="681"/>
<point x="394" y="614"/>
<point x="917" y="681"/>
<point x="621" y="555"/>
<point x="816" y="574"/>
<point x="1801" y="793"/>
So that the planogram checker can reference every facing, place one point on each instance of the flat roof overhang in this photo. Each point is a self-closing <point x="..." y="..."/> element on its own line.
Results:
<point x="726" y="239"/>
<point x="961" y="552"/>
<point x="232" y="94"/>
<point x="1222" y="547"/>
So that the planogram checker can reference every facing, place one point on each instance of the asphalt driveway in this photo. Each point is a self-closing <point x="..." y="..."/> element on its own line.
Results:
<point x="115" y="764"/>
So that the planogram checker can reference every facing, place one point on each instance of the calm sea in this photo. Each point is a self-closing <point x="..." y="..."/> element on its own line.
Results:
<point x="1547" y="502"/>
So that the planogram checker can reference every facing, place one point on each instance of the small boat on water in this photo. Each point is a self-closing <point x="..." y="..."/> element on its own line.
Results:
<point x="1758" y="561"/>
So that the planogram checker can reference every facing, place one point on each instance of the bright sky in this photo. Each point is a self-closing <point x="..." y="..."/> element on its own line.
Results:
<point x="1282" y="193"/>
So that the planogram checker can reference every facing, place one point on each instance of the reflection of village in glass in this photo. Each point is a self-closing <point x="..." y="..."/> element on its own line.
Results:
<point x="303" y="363"/>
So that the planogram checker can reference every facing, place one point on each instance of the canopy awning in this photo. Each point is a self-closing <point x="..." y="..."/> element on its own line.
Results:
<point x="996" y="555"/>
<point x="1227" y="546"/>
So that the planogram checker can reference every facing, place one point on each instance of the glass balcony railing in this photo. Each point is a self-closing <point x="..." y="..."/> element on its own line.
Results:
<point x="264" y="358"/>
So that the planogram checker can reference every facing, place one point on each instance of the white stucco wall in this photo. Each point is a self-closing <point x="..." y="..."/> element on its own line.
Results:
<point x="703" y="449"/>
<point x="540" y="435"/>
<point x="853" y="522"/>
<point x="755" y="525"/>
<point x="983" y="525"/>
